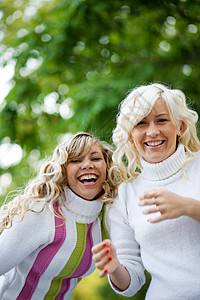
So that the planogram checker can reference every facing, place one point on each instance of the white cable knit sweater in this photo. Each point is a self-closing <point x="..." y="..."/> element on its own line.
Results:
<point x="168" y="250"/>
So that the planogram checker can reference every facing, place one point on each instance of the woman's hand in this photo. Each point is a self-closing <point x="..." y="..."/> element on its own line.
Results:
<point x="105" y="257"/>
<point x="170" y="205"/>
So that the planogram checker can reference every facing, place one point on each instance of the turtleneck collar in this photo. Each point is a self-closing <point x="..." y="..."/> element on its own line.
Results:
<point x="81" y="210"/>
<point x="165" y="169"/>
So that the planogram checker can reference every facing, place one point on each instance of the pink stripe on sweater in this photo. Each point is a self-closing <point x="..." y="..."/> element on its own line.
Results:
<point x="43" y="259"/>
<point x="82" y="268"/>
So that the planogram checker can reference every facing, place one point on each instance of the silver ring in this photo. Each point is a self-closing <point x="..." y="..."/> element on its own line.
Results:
<point x="154" y="200"/>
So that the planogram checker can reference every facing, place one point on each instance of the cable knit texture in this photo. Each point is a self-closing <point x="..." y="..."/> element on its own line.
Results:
<point x="43" y="258"/>
<point x="168" y="250"/>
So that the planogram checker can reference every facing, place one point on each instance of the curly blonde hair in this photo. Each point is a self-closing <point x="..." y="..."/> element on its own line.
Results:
<point x="136" y="106"/>
<point x="48" y="186"/>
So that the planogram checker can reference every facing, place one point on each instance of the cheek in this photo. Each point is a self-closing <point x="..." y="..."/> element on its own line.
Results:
<point x="139" y="147"/>
<point x="172" y="135"/>
<point x="103" y="171"/>
<point x="174" y="142"/>
<point x="71" y="172"/>
<point x="137" y="139"/>
<point x="136" y="136"/>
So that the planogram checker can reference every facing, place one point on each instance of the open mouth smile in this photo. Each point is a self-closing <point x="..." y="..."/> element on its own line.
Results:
<point x="154" y="143"/>
<point x="88" y="178"/>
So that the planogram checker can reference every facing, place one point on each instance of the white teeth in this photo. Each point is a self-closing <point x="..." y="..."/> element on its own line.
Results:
<point x="154" y="143"/>
<point x="87" y="177"/>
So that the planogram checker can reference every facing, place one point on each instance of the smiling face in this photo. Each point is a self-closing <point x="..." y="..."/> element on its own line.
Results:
<point x="86" y="174"/>
<point x="155" y="136"/>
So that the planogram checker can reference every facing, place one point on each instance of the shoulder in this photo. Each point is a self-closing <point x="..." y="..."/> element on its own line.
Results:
<point x="125" y="188"/>
<point x="38" y="219"/>
<point x="196" y="160"/>
<point x="120" y="202"/>
<point x="197" y="155"/>
<point x="193" y="167"/>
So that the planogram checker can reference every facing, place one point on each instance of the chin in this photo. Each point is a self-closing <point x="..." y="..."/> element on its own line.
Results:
<point x="154" y="160"/>
<point x="90" y="197"/>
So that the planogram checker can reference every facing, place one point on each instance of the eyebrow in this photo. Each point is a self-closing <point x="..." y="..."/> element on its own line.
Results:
<point x="96" y="152"/>
<point x="159" y="115"/>
<point x="92" y="153"/>
<point x="163" y="114"/>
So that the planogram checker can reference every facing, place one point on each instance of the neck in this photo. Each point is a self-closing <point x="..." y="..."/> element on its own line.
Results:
<point x="166" y="168"/>
<point x="95" y="197"/>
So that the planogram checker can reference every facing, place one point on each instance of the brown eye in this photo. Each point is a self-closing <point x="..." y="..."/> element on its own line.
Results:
<point x="141" y="123"/>
<point x="96" y="158"/>
<point x="162" y="120"/>
<point x="75" y="161"/>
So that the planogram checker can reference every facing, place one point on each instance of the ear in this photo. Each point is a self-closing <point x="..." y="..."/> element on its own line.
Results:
<point x="180" y="128"/>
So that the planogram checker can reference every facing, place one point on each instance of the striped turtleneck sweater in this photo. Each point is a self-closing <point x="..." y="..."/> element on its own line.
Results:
<point x="43" y="257"/>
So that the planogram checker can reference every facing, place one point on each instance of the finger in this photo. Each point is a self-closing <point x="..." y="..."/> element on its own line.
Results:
<point x="158" y="219"/>
<point x="100" y="246"/>
<point x="151" y="201"/>
<point x="150" y="210"/>
<point x="144" y="196"/>
<point x="98" y="257"/>
<point x="150" y="194"/>
<point x="147" y="195"/>
<point x="103" y="273"/>
<point x="101" y="264"/>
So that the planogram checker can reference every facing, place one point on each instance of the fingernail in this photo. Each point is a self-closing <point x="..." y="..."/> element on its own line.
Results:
<point x="107" y="250"/>
<point x="109" y="258"/>
<point x="104" y="244"/>
<point x="105" y="271"/>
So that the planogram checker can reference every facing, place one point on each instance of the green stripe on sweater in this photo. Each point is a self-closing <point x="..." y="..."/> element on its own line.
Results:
<point x="72" y="263"/>
<point x="104" y="230"/>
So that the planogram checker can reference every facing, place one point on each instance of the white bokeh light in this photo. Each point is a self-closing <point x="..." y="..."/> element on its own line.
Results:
<point x="6" y="74"/>
<point x="50" y="105"/>
<point x="65" y="111"/>
<point x="5" y="182"/>
<point x="10" y="154"/>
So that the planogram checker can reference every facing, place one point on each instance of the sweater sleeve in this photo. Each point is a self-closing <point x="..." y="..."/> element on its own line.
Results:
<point x="19" y="241"/>
<point x="128" y="250"/>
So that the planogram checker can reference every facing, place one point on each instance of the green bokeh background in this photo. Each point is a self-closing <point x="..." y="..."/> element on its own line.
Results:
<point x="74" y="61"/>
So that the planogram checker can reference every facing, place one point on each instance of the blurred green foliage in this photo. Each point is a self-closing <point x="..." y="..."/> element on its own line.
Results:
<point x="95" y="288"/>
<point x="75" y="60"/>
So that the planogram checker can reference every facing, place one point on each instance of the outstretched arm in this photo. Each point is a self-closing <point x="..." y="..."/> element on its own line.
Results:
<point x="170" y="205"/>
<point x="105" y="257"/>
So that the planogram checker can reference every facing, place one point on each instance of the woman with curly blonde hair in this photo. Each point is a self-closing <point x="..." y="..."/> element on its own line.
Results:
<point x="47" y="232"/>
<point x="155" y="218"/>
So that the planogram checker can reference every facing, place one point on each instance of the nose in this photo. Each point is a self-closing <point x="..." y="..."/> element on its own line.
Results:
<point x="152" y="130"/>
<point x="86" y="164"/>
